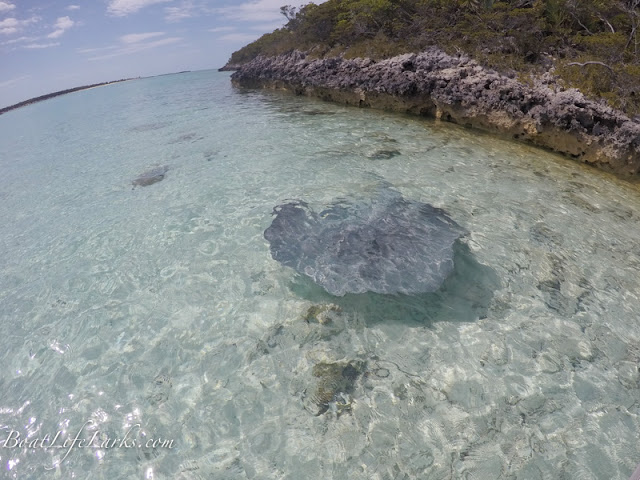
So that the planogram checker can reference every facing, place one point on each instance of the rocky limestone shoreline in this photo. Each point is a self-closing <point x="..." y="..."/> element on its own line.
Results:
<point x="458" y="89"/>
<point x="229" y="67"/>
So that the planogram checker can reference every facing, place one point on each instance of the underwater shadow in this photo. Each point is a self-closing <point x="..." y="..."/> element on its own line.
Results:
<point x="465" y="296"/>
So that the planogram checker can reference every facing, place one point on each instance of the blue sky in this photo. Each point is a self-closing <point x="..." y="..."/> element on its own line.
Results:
<point x="50" y="45"/>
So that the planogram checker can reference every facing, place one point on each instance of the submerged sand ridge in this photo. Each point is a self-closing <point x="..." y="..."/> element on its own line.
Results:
<point x="458" y="89"/>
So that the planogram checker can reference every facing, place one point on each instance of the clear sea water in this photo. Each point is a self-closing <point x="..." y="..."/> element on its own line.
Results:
<point x="157" y="312"/>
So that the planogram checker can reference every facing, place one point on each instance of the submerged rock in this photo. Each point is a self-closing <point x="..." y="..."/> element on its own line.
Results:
<point x="150" y="177"/>
<point x="386" y="245"/>
<point x="384" y="154"/>
<point x="322" y="314"/>
<point x="334" y="385"/>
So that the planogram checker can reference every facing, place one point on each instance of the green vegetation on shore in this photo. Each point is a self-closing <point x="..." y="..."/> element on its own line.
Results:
<point x="593" y="45"/>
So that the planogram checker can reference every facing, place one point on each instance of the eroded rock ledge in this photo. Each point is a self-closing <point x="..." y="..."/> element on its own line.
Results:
<point x="457" y="89"/>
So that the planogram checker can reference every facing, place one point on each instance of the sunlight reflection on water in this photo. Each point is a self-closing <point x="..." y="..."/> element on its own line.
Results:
<point x="161" y="305"/>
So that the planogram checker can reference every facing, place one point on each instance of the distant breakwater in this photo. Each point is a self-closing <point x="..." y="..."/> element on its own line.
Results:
<point x="459" y="90"/>
<point x="57" y="94"/>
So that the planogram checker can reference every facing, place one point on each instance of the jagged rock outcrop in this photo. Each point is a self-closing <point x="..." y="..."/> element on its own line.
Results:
<point x="458" y="89"/>
<point x="229" y="67"/>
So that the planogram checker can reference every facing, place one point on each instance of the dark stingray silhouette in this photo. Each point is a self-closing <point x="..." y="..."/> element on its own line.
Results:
<point x="150" y="177"/>
<point x="385" y="245"/>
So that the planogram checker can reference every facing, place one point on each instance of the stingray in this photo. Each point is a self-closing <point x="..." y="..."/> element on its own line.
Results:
<point x="151" y="176"/>
<point x="385" y="245"/>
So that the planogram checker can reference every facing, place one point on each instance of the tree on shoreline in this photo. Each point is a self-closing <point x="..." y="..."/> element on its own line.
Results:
<point x="590" y="44"/>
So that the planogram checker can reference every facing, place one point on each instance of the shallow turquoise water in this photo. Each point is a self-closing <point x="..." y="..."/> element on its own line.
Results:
<point x="161" y="305"/>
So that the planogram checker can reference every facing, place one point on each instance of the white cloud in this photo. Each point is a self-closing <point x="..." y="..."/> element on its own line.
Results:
<point x="9" y="22"/>
<point x="87" y="51"/>
<point x="175" y="14"/>
<point x="5" y="7"/>
<point x="222" y="29"/>
<point x="254" y="11"/>
<point x="41" y="45"/>
<point x="62" y="25"/>
<point x="131" y="43"/>
<point x="128" y="49"/>
<point x="73" y="7"/>
<point x="19" y="40"/>
<point x="121" y="8"/>
<point x="11" y="25"/>
<point x="139" y="37"/>
<point x="6" y="83"/>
